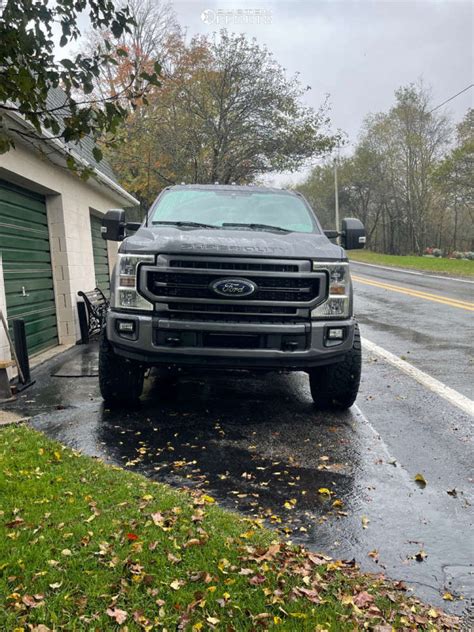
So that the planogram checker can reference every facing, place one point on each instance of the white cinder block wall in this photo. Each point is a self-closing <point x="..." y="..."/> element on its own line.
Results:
<point x="69" y="201"/>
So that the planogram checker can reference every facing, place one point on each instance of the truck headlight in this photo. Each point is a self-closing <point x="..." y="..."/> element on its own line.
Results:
<point x="338" y="303"/>
<point x="125" y="295"/>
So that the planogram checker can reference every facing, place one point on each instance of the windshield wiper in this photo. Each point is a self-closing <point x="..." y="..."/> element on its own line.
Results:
<point x="185" y="223"/>
<point x="257" y="227"/>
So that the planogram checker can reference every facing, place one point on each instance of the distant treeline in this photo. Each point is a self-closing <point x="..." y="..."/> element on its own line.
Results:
<point x="409" y="179"/>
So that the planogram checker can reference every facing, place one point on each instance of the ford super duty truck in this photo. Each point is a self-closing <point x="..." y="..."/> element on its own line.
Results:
<point x="231" y="277"/>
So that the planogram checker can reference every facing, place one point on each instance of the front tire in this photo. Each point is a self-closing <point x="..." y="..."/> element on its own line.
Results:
<point x="120" y="379"/>
<point x="335" y="387"/>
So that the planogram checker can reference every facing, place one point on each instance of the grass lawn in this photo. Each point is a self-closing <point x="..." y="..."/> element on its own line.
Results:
<point x="453" y="267"/>
<point x="86" y="546"/>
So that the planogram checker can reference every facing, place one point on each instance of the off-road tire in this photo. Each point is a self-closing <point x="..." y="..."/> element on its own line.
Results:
<point x="335" y="387"/>
<point x="120" y="379"/>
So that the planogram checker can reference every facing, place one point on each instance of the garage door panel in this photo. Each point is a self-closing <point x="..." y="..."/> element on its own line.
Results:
<point x="21" y="197"/>
<point x="12" y="254"/>
<point x="28" y="219"/>
<point x="31" y="315"/>
<point x="16" y="284"/>
<point x="27" y="270"/>
<point x="24" y="243"/>
<point x="16" y="299"/>
<point x="43" y="324"/>
<point x="100" y="254"/>
<point x="28" y="236"/>
<point x="40" y="341"/>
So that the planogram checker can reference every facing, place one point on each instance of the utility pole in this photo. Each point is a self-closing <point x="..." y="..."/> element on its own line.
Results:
<point x="336" y="196"/>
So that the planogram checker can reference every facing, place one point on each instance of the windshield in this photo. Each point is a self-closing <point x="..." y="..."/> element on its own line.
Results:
<point x="248" y="209"/>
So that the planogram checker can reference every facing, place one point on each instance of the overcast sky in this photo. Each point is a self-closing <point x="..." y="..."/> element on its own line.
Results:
<point x="358" y="52"/>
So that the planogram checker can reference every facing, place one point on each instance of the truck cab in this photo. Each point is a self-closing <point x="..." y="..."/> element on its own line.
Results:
<point x="231" y="277"/>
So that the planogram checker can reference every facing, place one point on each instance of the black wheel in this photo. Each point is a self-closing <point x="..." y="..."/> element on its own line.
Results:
<point x="335" y="387"/>
<point x="120" y="380"/>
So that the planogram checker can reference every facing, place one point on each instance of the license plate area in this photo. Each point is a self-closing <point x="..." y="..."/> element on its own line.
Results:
<point x="233" y="341"/>
<point x="185" y="338"/>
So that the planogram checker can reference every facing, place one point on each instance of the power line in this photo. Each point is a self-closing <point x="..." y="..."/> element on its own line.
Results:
<point x="451" y="98"/>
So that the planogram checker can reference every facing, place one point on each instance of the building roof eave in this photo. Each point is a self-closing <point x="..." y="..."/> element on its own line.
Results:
<point x="63" y="149"/>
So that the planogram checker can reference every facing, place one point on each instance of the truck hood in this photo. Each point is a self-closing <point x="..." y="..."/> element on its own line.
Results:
<point x="183" y="240"/>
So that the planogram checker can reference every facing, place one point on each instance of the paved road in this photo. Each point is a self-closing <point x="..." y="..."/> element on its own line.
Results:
<point x="257" y="444"/>
<point x="428" y="320"/>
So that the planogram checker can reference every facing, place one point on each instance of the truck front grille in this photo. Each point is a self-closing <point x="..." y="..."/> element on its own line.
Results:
<point x="275" y="289"/>
<point x="239" y="266"/>
<point x="287" y="289"/>
<point x="231" y="309"/>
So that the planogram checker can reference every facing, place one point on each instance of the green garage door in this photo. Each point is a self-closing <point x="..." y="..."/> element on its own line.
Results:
<point x="24" y="244"/>
<point x="101" y="259"/>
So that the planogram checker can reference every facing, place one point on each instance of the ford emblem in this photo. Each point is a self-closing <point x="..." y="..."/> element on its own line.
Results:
<point x="236" y="288"/>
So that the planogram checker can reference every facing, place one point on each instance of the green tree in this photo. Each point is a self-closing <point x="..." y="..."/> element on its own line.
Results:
<point x="227" y="112"/>
<point x="454" y="180"/>
<point x="29" y="69"/>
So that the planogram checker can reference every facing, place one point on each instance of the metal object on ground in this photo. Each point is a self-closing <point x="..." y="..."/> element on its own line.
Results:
<point x="83" y="322"/>
<point x="19" y="336"/>
<point x="91" y="312"/>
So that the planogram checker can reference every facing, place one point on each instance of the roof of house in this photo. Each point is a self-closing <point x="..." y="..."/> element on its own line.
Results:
<point x="56" y="99"/>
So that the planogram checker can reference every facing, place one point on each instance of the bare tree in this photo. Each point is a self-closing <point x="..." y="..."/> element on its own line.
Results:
<point x="154" y="27"/>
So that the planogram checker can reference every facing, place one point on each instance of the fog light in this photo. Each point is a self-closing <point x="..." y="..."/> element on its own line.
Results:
<point x="126" y="326"/>
<point x="335" y="333"/>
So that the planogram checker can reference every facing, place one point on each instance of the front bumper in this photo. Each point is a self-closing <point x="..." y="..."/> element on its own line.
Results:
<point x="284" y="345"/>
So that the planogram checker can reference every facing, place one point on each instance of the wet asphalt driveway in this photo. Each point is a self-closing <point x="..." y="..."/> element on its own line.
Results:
<point x="258" y="446"/>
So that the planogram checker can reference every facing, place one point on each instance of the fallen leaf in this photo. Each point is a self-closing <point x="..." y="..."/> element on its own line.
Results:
<point x="176" y="584"/>
<point x="420" y="556"/>
<point x="131" y="537"/>
<point x="324" y="491"/>
<point x="32" y="602"/>
<point x="14" y="523"/>
<point x="120" y="616"/>
<point x="365" y="522"/>
<point x="420" y="479"/>
<point x="363" y="599"/>
<point x="56" y="585"/>
<point x="448" y="596"/>
<point x="66" y="552"/>
<point x="157" y="518"/>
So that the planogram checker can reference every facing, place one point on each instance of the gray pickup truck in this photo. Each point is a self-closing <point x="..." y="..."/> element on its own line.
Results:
<point x="231" y="277"/>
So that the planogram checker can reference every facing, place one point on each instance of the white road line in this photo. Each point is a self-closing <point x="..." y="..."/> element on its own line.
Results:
<point x="449" y="394"/>
<point x="415" y="272"/>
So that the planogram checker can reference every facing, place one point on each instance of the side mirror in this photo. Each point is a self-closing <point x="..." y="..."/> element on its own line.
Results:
<point x="352" y="234"/>
<point x="113" y="225"/>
